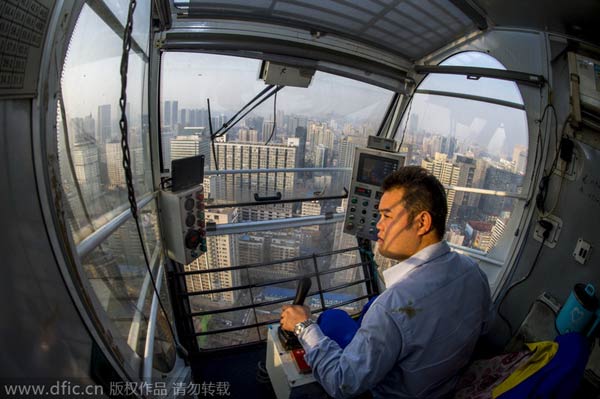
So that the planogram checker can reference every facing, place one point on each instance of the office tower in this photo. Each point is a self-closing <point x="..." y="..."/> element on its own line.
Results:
<point x="465" y="179"/>
<point x="300" y="134"/>
<point x="498" y="229"/>
<point x="267" y="130"/>
<point x="248" y="135"/>
<point x="174" y="114"/>
<point x="446" y="172"/>
<point x="86" y="163"/>
<point x="346" y="151"/>
<point x="321" y="155"/>
<point x="167" y="114"/>
<point x="189" y="146"/>
<point x="114" y="165"/>
<point x="500" y="180"/>
<point x="220" y="253"/>
<point x="104" y="129"/>
<point x="519" y="158"/>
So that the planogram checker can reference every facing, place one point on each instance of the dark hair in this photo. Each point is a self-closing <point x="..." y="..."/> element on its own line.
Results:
<point x="422" y="192"/>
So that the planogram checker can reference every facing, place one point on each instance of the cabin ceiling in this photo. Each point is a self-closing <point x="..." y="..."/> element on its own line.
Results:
<point x="409" y="28"/>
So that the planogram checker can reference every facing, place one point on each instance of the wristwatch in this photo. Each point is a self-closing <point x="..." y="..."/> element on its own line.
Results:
<point x="298" y="328"/>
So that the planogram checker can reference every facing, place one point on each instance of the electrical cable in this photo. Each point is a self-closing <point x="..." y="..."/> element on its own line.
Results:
<point x="274" y="119"/>
<point x="523" y="279"/>
<point x="212" y="137"/>
<point x="221" y="132"/>
<point x="226" y="124"/>
<point x="127" y="158"/>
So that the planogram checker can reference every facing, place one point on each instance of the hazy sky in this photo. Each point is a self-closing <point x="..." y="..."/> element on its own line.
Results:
<point x="91" y="78"/>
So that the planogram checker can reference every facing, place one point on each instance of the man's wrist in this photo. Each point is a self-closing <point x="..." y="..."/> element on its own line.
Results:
<point x="301" y="326"/>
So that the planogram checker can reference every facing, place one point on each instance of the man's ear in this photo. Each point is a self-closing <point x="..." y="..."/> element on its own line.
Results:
<point x="424" y="223"/>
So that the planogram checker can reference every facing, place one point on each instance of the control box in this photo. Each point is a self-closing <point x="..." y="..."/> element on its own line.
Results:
<point x="184" y="224"/>
<point x="371" y="166"/>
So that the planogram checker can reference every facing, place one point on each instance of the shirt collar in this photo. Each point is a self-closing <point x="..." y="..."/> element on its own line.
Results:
<point x="398" y="271"/>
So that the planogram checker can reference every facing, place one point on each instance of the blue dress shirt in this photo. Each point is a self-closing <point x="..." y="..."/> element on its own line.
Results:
<point x="416" y="336"/>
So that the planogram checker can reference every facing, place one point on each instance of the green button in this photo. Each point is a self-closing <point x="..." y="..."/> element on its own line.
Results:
<point x="354" y="200"/>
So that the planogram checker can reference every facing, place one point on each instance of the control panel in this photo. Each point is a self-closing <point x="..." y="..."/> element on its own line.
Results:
<point x="371" y="166"/>
<point x="184" y="224"/>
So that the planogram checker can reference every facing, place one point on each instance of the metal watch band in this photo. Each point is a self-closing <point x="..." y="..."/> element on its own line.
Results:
<point x="298" y="328"/>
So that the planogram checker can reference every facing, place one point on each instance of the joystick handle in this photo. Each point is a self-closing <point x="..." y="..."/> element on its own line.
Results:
<point x="302" y="290"/>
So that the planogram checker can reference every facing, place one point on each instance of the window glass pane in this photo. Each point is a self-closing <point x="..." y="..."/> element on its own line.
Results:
<point x="164" y="347"/>
<point x="269" y="281"/>
<point x="483" y="87"/>
<point x="120" y="282"/>
<point x="472" y="144"/>
<point x="141" y="18"/>
<point x="318" y="126"/>
<point x="89" y="143"/>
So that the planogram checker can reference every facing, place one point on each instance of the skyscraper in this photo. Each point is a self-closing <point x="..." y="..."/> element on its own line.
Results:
<point x="189" y="146"/>
<point x="446" y="172"/>
<point x="104" y="129"/>
<point x="174" y="114"/>
<point x="167" y="114"/>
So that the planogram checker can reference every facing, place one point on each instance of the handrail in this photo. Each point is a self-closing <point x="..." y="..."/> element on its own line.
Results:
<point x="272" y="170"/>
<point x="276" y="224"/>
<point x="88" y="244"/>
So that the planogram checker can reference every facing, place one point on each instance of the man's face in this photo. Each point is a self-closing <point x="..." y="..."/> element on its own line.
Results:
<point x="397" y="237"/>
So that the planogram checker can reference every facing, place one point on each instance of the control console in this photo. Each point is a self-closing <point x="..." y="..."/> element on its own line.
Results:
<point x="371" y="166"/>
<point x="184" y="224"/>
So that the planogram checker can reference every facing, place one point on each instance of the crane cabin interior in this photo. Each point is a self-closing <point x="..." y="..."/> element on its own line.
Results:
<point x="172" y="169"/>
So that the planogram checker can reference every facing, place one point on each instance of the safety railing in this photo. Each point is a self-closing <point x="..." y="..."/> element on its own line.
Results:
<point x="324" y="301"/>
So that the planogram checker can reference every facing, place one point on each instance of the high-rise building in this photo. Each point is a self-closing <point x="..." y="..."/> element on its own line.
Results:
<point x="321" y="155"/>
<point x="254" y="156"/>
<point x="221" y="252"/>
<point x="446" y="172"/>
<point x="189" y="146"/>
<point x="114" y="165"/>
<point x="267" y="130"/>
<point x="86" y="163"/>
<point x="174" y="114"/>
<point x="519" y="159"/>
<point x="300" y="133"/>
<point x="500" y="180"/>
<point x="104" y="128"/>
<point x="465" y="179"/>
<point x="346" y="152"/>
<point x="167" y="114"/>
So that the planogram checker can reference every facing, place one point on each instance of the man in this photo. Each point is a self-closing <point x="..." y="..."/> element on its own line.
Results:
<point x="420" y="332"/>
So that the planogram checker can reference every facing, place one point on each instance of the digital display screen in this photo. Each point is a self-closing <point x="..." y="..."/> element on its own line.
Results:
<point x="365" y="192"/>
<point x="373" y="169"/>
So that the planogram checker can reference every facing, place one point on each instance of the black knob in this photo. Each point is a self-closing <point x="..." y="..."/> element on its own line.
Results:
<point x="302" y="290"/>
<point x="189" y="220"/>
<point x="192" y="239"/>
<point x="189" y="204"/>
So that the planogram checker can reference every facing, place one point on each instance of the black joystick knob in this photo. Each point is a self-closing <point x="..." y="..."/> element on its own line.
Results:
<point x="302" y="290"/>
<point x="287" y="338"/>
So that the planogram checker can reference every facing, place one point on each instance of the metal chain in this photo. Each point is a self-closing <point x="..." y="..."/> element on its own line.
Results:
<point x="127" y="161"/>
<point x="122" y="105"/>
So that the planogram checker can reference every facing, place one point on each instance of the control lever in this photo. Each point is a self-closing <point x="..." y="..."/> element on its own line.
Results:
<point x="287" y="338"/>
<point x="302" y="290"/>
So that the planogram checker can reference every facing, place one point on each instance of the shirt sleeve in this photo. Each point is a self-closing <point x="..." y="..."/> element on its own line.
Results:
<point x="363" y="363"/>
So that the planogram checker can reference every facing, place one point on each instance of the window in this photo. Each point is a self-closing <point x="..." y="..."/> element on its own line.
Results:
<point x="314" y="127"/>
<point x="112" y="265"/>
<point x="471" y="134"/>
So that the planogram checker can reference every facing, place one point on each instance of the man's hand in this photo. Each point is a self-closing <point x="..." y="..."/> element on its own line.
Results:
<point x="292" y="315"/>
